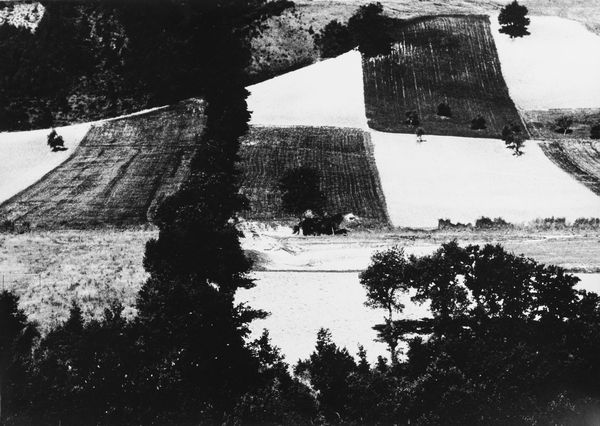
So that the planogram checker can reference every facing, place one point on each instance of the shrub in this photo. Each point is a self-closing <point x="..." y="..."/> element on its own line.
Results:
<point x="563" y="125"/>
<point x="478" y="123"/>
<point x="412" y="118"/>
<point x="513" y="137"/>
<point x="444" y="110"/>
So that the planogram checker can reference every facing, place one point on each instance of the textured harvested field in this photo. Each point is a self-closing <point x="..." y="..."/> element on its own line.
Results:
<point x="579" y="158"/>
<point x="344" y="158"/>
<point x="542" y="123"/>
<point x="448" y="58"/>
<point x="118" y="175"/>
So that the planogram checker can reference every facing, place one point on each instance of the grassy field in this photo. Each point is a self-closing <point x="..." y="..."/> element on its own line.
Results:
<point x="118" y="175"/>
<point x="343" y="157"/>
<point x="542" y="124"/>
<point x="451" y="59"/>
<point x="50" y="269"/>
<point x="580" y="158"/>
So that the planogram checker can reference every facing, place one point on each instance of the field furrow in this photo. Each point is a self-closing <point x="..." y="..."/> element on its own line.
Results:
<point x="450" y="59"/>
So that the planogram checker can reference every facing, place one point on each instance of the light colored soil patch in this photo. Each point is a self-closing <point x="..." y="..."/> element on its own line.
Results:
<point x="329" y="93"/>
<point x="463" y="179"/>
<point x="557" y="66"/>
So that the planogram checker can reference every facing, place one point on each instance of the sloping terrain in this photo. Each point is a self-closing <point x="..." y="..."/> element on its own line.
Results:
<point x="343" y="157"/>
<point x="579" y="158"/>
<point x="449" y="59"/>
<point x="118" y="174"/>
<point x="557" y="66"/>
<point x="25" y="156"/>
<point x="463" y="179"/>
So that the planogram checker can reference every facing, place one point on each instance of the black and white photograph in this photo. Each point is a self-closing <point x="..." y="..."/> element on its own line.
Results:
<point x="299" y="212"/>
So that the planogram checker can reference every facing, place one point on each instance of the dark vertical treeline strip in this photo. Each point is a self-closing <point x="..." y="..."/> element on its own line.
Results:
<point x="183" y="359"/>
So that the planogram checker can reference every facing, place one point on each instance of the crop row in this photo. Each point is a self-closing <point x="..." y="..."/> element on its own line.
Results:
<point x="451" y="59"/>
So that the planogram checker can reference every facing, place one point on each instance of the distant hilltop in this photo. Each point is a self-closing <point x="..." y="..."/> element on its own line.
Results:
<point x="27" y="15"/>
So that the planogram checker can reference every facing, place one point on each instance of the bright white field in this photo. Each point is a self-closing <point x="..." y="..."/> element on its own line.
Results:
<point x="328" y="93"/>
<point x="557" y="66"/>
<point x="301" y="303"/>
<point x="463" y="179"/>
<point x="26" y="157"/>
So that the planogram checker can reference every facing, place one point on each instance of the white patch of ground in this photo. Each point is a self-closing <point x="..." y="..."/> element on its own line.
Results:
<point x="463" y="179"/>
<point x="26" y="157"/>
<point x="301" y="303"/>
<point x="557" y="66"/>
<point x="328" y="93"/>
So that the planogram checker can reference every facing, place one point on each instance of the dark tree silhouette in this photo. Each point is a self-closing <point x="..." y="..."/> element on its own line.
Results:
<point x="385" y="280"/>
<point x="412" y="118"/>
<point x="514" y="138"/>
<point x="478" y="123"/>
<point x="513" y="20"/>
<point x="444" y="110"/>
<point x="371" y="29"/>
<point x="17" y="335"/>
<point x="563" y="124"/>
<point x="301" y="191"/>
<point x="334" y="39"/>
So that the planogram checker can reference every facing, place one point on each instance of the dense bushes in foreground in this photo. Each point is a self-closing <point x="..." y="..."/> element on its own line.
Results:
<point x="509" y="341"/>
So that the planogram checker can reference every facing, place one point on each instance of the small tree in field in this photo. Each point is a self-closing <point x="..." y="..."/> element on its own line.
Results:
<point x="385" y="280"/>
<point x="301" y="191"/>
<point x="420" y="132"/>
<point x="563" y="124"/>
<point x="478" y="123"/>
<point x="513" y="20"/>
<point x="513" y="137"/>
<point x="595" y="131"/>
<point x="444" y="110"/>
<point x="412" y="118"/>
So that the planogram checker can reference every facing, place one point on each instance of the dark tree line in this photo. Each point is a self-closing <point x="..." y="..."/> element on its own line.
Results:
<point x="183" y="359"/>
<point x="95" y="59"/>
<point x="368" y="29"/>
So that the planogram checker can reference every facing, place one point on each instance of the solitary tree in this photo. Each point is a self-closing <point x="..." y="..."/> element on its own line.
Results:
<point x="412" y="118"/>
<point x="478" y="123"/>
<point x="301" y="190"/>
<point x="563" y="124"/>
<point x="385" y="280"/>
<point x="444" y="110"/>
<point x="420" y="132"/>
<point x="513" y="137"/>
<point x="513" y="20"/>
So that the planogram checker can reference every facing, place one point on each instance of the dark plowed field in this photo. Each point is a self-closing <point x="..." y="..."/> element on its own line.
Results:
<point x="124" y="168"/>
<point x="449" y="59"/>
<point x="579" y="158"/>
<point x="119" y="173"/>
<point x="344" y="158"/>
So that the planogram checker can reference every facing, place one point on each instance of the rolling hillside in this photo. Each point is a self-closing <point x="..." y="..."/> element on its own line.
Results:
<point x="119" y="173"/>
<point x="343" y="156"/>
<point x="449" y="59"/>
<point x="581" y="159"/>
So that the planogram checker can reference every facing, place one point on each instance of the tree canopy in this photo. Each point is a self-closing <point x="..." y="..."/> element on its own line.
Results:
<point x="513" y="20"/>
